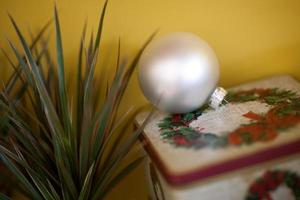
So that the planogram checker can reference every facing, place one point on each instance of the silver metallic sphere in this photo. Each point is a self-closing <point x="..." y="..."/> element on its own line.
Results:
<point x="178" y="72"/>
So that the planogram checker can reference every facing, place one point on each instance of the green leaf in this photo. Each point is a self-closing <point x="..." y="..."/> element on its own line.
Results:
<point x="89" y="81"/>
<point x="51" y="74"/>
<point x="116" y="142"/>
<point x="70" y="184"/>
<point x="34" y="176"/>
<point x="115" y="96"/>
<point x="89" y="53"/>
<point x="14" y="77"/>
<point x="59" y="143"/>
<point x="26" y="139"/>
<point x="119" y="156"/>
<point x="17" y="73"/>
<point x="87" y="93"/>
<point x="61" y="77"/>
<point x="19" y="175"/>
<point x="273" y="99"/>
<point x="188" y="117"/>
<point x="100" y="27"/>
<point x="53" y="191"/>
<point x="85" y="189"/>
<point x="66" y="118"/>
<point x="35" y="73"/>
<point x="79" y="102"/>
<point x="24" y="66"/>
<point x="186" y="131"/>
<point x="39" y="165"/>
<point x="4" y="197"/>
<point x="85" y="139"/>
<point x="63" y="155"/>
<point x="4" y="120"/>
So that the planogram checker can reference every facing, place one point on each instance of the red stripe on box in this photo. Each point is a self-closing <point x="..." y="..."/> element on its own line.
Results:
<point x="222" y="167"/>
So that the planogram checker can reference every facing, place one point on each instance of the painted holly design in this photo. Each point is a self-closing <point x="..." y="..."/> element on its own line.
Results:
<point x="270" y="181"/>
<point x="284" y="113"/>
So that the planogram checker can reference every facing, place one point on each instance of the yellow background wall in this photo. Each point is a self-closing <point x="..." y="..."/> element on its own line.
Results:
<point x="252" y="38"/>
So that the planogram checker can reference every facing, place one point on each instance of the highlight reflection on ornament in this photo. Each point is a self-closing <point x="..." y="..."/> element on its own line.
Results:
<point x="178" y="72"/>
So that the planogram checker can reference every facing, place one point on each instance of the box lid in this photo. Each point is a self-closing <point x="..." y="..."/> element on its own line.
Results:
<point x="260" y="122"/>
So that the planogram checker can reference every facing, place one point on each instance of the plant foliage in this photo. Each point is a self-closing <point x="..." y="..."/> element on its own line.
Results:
<point x="55" y="148"/>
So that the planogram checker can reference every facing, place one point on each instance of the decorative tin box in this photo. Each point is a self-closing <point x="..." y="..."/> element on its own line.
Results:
<point x="247" y="149"/>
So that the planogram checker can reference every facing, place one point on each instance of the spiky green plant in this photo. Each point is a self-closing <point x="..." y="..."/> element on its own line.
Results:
<point x="56" y="149"/>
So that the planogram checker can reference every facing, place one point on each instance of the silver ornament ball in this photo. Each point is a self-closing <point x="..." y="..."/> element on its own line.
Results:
<point x="178" y="72"/>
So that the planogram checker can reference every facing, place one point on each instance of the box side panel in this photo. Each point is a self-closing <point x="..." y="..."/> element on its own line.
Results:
<point x="278" y="180"/>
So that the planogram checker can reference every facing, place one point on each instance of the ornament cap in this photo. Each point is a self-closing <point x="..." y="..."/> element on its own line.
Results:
<point x="217" y="97"/>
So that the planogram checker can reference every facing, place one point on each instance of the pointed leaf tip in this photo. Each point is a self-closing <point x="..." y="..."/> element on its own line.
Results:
<point x="100" y="26"/>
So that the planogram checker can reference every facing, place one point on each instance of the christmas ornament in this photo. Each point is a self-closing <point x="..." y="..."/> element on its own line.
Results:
<point x="178" y="73"/>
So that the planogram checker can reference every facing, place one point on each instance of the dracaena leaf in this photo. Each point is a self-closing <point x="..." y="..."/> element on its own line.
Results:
<point x="14" y="77"/>
<point x="115" y="95"/>
<point x="59" y="142"/>
<point x="79" y="103"/>
<point x="86" y="187"/>
<point x="57" y="154"/>
<point x="4" y="197"/>
<point x="111" y="166"/>
<point x="34" y="176"/>
<point x="19" y="175"/>
<point x="100" y="27"/>
<point x="61" y="77"/>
